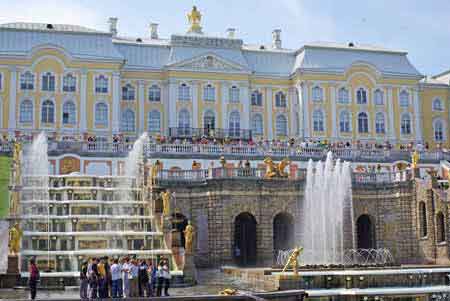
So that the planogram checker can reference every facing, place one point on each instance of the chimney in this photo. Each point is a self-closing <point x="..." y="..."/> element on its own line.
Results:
<point x="276" y="38"/>
<point x="113" y="25"/>
<point x="154" y="31"/>
<point x="231" y="33"/>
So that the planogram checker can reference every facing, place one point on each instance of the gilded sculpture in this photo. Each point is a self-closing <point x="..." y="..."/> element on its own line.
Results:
<point x="166" y="202"/>
<point x="276" y="170"/>
<point x="415" y="159"/>
<point x="194" y="18"/>
<point x="293" y="260"/>
<point x="15" y="234"/>
<point x="189" y="238"/>
<point x="16" y="175"/>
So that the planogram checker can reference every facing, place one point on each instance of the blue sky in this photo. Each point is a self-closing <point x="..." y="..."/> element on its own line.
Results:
<point x="419" y="27"/>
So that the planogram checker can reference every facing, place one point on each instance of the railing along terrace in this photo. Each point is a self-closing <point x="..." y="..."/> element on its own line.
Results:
<point x="186" y="132"/>
<point x="381" y="177"/>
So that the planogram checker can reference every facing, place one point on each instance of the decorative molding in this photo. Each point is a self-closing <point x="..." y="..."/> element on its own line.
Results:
<point x="208" y="42"/>
<point x="208" y="62"/>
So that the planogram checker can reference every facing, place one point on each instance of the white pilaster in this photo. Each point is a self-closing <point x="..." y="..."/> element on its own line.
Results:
<point x="292" y="99"/>
<point x="417" y="115"/>
<point x="300" y="108"/>
<point x="166" y="113"/>
<point x="195" y="88"/>
<point x="116" y="102"/>
<point x="269" y="110"/>
<point x="172" y="103"/>
<point x="333" y="112"/>
<point x="391" y="121"/>
<point x="224" y="102"/>
<point x="83" y="101"/>
<point x="305" y="99"/>
<point x="12" y="100"/>
<point x="244" y="99"/>
<point x="141" y="101"/>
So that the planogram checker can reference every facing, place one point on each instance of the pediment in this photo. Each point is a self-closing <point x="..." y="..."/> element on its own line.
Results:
<point x="208" y="62"/>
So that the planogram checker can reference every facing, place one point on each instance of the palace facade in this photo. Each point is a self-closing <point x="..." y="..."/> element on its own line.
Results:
<point x="76" y="82"/>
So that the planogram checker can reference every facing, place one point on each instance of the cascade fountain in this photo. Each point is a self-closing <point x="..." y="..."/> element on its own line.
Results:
<point x="327" y="203"/>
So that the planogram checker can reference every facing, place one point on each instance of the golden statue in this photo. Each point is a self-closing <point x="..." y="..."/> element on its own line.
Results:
<point x="281" y="167"/>
<point x="15" y="234"/>
<point x="228" y="292"/>
<point x="194" y="18"/>
<point x="271" y="168"/>
<point x="415" y="159"/>
<point x="189" y="238"/>
<point x="14" y="203"/>
<point x="154" y="171"/>
<point x="293" y="260"/>
<point x="166" y="202"/>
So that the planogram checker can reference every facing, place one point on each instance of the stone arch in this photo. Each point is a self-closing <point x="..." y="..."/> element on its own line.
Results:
<point x="283" y="232"/>
<point x="179" y="223"/>
<point x="245" y="244"/>
<point x="365" y="232"/>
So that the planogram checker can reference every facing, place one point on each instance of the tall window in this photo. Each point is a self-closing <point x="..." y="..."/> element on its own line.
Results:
<point x="423" y="219"/>
<point x="184" y="119"/>
<point x="48" y="82"/>
<point x="234" y="124"/>
<point x="438" y="128"/>
<point x="281" y="125"/>
<point x="437" y="105"/>
<point x="184" y="92"/>
<point x="209" y="92"/>
<point x="363" y="123"/>
<point x="234" y="94"/>
<point x="26" y="111"/>
<point x="379" y="123"/>
<point x="378" y="97"/>
<point x="209" y="120"/>
<point x="101" y="114"/>
<point x="404" y="99"/>
<point x="48" y="112"/>
<point x="154" y="121"/>
<point x="318" y="125"/>
<point x="361" y="96"/>
<point x="343" y="95"/>
<point x="280" y="100"/>
<point x="257" y="124"/>
<point x="256" y="98"/>
<point x="405" y="126"/>
<point x="128" y="121"/>
<point x="69" y="83"/>
<point x="128" y="92"/>
<point x="101" y="84"/>
<point x="69" y="113"/>
<point x="344" y="122"/>
<point x="317" y="94"/>
<point x="27" y="81"/>
<point x="154" y="93"/>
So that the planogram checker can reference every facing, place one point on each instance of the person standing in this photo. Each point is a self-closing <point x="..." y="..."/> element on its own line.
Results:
<point x="159" y="279"/>
<point x="143" y="279"/>
<point x="126" y="276"/>
<point x="134" y="273"/>
<point x="151" y="270"/>
<point x="34" y="278"/>
<point x="116" y="279"/>
<point x="93" y="279"/>
<point x="84" y="281"/>
<point x="166" y="277"/>
<point x="102" y="286"/>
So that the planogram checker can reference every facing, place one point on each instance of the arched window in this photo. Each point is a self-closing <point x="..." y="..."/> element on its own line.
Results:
<point x="234" y="94"/>
<point x="184" y="119"/>
<point x="438" y="128"/>
<point x="209" y="92"/>
<point x="69" y="83"/>
<point x="423" y="219"/>
<point x="128" y="92"/>
<point x="101" y="114"/>
<point x="404" y="99"/>
<point x="27" y="81"/>
<point x="437" y="105"/>
<point x="344" y="122"/>
<point x="405" y="126"/>
<point x="363" y="123"/>
<point x="257" y="124"/>
<point x="343" y="95"/>
<point x="318" y="123"/>
<point x="154" y="121"/>
<point x="379" y="97"/>
<point x="209" y="120"/>
<point x="281" y="125"/>
<point x="184" y="92"/>
<point x="154" y="93"/>
<point x="440" y="227"/>
<point x="317" y="94"/>
<point x="280" y="100"/>
<point x="361" y="96"/>
<point x="26" y="111"/>
<point x="379" y="123"/>
<point x="234" y="124"/>
<point x="48" y="112"/>
<point x="101" y="84"/>
<point x="256" y="98"/>
<point x="48" y="82"/>
<point x="69" y="113"/>
<point x="128" y="121"/>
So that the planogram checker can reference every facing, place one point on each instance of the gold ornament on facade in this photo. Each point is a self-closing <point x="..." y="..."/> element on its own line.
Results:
<point x="415" y="159"/>
<point x="189" y="238"/>
<point x="194" y="18"/>
<point x="166" y="202"/>
<point x="293" y="260"/>
<point x="15" y="234"/>
<point x="275" y="170"/>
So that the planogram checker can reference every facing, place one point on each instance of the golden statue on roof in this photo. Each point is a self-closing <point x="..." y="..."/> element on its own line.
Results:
<point x="194" y="18"/>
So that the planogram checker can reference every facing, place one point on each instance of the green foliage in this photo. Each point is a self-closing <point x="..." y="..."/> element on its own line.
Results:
<point x="5" y="163"/>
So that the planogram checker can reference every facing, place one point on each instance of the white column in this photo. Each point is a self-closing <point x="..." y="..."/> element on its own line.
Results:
<point x="293" y="111"/>
<point x="244" y="99"/>
<point x="391" y="119"/>
<point x="269" y="110"/>
<point x="417" y="115"/>
<point x="333" y="112"/>
<point x="141" y="101"/>
<point x="301" y="107"/>
<point x="172" y="103"/>
<point x="166" y="113"/>
<point x="224" y="102"/>
<point x="195" y="87"/>
<point x="83" y="101"/>
<point x="306" y="123"/>
<point x="116" y="102"/>
<point x="12" y="99"/>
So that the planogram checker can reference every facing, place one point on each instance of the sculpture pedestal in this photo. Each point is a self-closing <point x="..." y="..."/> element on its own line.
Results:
<point x="189" y="272"/>
<point x="12" y="276"/>
<point x="13" y="264"/>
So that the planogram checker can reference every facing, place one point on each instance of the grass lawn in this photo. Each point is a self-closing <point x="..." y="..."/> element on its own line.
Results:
<point x="5" y="163"/>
